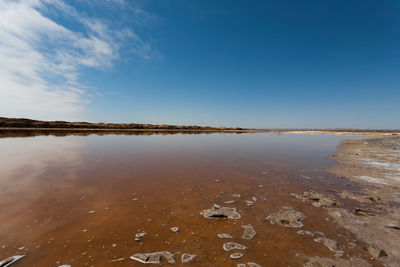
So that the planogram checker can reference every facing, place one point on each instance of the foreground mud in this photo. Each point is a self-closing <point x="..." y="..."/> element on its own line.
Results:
<point x="233" y="200"/>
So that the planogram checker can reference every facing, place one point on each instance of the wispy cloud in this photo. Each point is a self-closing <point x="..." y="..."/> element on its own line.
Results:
<point x="41" y="58"/>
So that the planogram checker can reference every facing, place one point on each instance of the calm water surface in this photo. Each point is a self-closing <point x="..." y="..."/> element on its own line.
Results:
<point x="80" y="200"/>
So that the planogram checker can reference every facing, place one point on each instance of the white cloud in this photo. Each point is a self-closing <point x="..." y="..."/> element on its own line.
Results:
<point x="41" y="59"/>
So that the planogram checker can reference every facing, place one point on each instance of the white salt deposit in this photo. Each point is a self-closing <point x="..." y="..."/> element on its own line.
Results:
<point x="372" y="179"/>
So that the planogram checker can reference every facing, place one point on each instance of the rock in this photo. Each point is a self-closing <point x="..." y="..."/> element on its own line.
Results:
<point x="64" y="265"/>
<point x="218" y="212"/>
<point x="230" y="201"/>
<point x="11" y="260"/>
<point x="249" y="232"/>
<point x="236" y="195"/>
<point x="186" y="257"/>
<point x="175" y="229"/>
<point x="254" y="198"/>
<point x="393" y="226"/>
<point x="333" y="245"/>
<point x="236" y="255"/>
<point x="249" y="203"/>
<point x="360" y="198"/>
<point x="372" y="230"/>
<point x="325" y="262"/>
<point x="117" y="260"/>
<point x="233" y="245"/>
<point x="249" y="264"/>
<point x="138" y="236"/>
<point x="318" y="200"/>
<point x="362" y="212"/>
<point x="154" y="257"/>
<point x="302" y="232"/>
<point x="222" y="236"/>
<point x="376" y="252"/>
<point x="252" y="264"/>
<point x="287" y="217"/>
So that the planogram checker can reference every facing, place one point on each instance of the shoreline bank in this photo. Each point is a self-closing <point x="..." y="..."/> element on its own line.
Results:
<point x="374" y="164"/>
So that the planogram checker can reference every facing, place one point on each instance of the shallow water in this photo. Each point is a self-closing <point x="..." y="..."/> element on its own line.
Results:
<point x="80" y="200"/>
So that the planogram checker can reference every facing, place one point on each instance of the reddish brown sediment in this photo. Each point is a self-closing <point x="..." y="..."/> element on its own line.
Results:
<point x="83" y="204"/>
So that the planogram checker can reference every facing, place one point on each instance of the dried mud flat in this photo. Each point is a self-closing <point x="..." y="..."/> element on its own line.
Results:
<point x="374" y="164"/>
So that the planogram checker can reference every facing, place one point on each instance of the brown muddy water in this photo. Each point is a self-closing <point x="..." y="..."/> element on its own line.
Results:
<point x="80" y="200"/>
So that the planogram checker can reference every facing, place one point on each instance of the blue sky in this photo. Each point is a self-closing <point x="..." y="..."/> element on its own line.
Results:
<point x="265" y="64"/>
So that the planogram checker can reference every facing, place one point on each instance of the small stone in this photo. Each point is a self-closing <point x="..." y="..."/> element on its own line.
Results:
<point x="236" y="195"/>
<point x="218" y="212"/>
<point x="393" y="226"/>
<point x="230" y="201"/>
<point x="287" y="217"/>
<point x="253" y="264"/>
<point x="175" y="229"/>
<point x="138" y="236"/>
<point x="236" y="255"/>
<point x="116" y="260"/>
<point x="10" y="260"/>
<point x="186" y="257"/>
<point x="222" y="236"/>
<point x="254" y="198"/>
<point x="376" y="252"/>
<point x="249" y="203"/>
<point x="233" y="245"/>
<point x="332" y="245"/>
<point x="154" y="257"/>
<point x="362" y="212"/>
<point x="249" y="232"/>
<point x="318" y="200"/>
<point x="302" y="232"/>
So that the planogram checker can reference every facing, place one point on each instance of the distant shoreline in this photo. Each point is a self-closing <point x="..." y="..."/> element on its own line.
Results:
<point x="130" y="130"/>
<point x="342" y="132"/>
<point x="277" y="131"/>
<point x="22" y="124"/>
